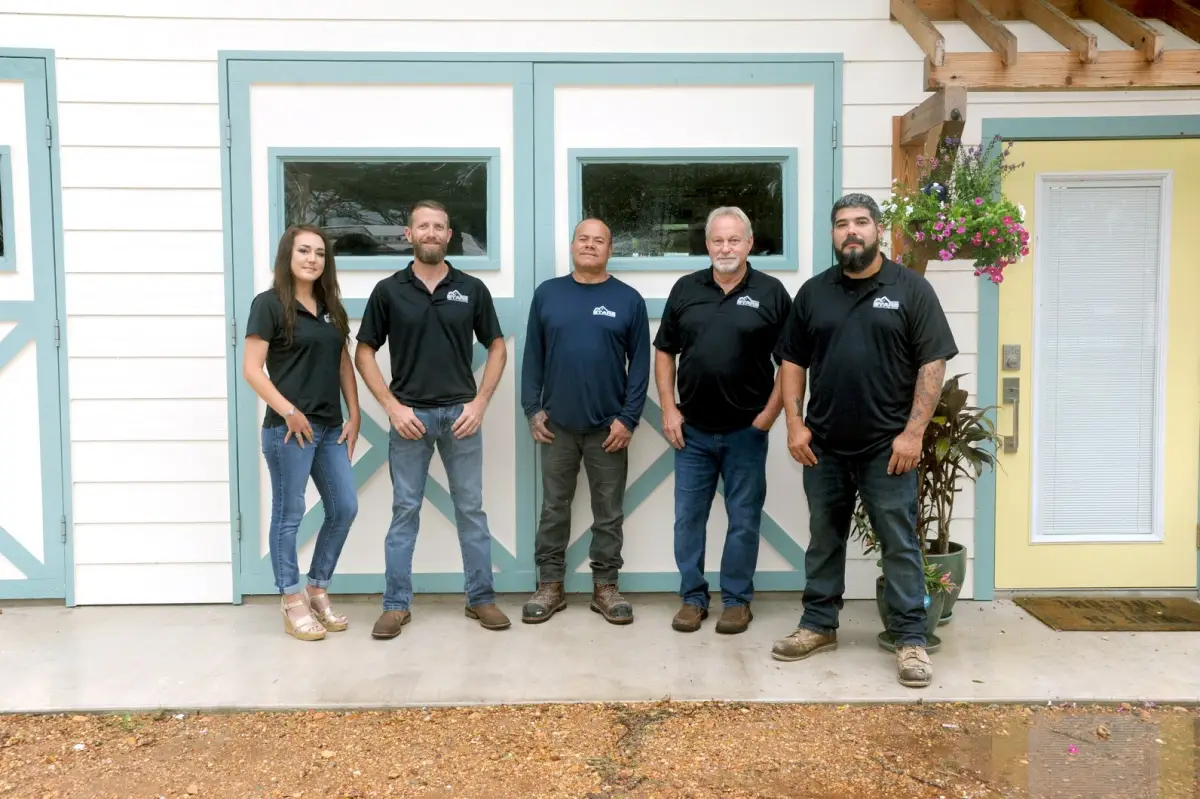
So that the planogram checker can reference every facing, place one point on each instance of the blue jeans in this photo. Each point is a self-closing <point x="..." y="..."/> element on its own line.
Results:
<point x="409" y="465"/>
<point x="740" y="460"/>
<point x="290" y="466"/>
<point x="891" y="505"/>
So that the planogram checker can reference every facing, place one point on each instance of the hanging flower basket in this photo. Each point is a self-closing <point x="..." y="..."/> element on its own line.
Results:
<point x="957" y="211"/>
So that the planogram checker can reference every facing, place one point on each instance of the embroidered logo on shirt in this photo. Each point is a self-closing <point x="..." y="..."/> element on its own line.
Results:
<point x="884" y="302"/>
<point x="602" y="311"/>
<point x="325" y="318"/>
<point x="457" y="296"/>
<point x="749" y="303"/>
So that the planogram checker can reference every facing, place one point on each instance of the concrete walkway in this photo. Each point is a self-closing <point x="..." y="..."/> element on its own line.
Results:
<point x="204" y="657"/>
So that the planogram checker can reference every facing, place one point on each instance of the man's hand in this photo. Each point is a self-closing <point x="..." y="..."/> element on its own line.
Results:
<point x="618" y="436"/>
<point x="800" y="444"/>
<point x="406" y="422"/>
<point x="673" y="427"/>
<point x="471" y="418"/>
<point x="764" y="421"/>
<point x="537" y="426"/>
<point x="350" y="434"/>
<point x="906" y="451"/>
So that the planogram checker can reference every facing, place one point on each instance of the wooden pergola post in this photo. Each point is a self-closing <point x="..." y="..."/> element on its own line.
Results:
<point x="924" y="131"/>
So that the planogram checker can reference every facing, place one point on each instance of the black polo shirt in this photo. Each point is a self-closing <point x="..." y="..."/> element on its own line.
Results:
<point x="863" y="341"/>
<point x="430" y="335"/>
<point x="725" y="342"/>
<point x="308" y="371"/>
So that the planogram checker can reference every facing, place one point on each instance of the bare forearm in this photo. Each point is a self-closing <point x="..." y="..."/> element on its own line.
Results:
<point x="493" y="369"/>
<point x="791" y="388"/>
<point x="925" y="396"/>
<point x="775" y="401"/>
<point x="364" y="359"/>
<point x="664" y="378"/>
<point x="349" y="385"/>
<point x="266" y="390"/>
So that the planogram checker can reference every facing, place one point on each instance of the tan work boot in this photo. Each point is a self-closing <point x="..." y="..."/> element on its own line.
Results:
<point x="688" y="619"/>
<point x="608" y="602"/>
<point x="549" y="599"/>
<point x="489" y="616"/>
<point x="913" y="667"/>
<point x="734" y="619"/>
<point x="388" y="625"/>
<point x="802" y="643"/>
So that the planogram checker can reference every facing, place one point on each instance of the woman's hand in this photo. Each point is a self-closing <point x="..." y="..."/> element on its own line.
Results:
<point x="299" y="427"/>
<point x="350" y="434"/>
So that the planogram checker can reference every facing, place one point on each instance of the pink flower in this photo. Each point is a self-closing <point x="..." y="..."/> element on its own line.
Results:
<point x="978" y="239"/>
<point x="939" y="226"/>
<point x="1024" y="251"/>
<point x="920" y="235"/>
<point x="979" y="201"/>
<point x="962" y="230"/>
<point x="992" y="232"/>
<point x="945" y="255"/>
<point x="1008" y="220"/>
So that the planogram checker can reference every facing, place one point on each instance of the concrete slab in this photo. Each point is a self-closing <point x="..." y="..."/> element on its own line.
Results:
<point x="210" y="657"/>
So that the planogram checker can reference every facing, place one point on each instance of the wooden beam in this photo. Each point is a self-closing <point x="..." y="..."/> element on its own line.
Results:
<point x="988" y="28"/>
<point x="1135" y="32"/>
<point x="1113" y="69"/>
<point x="946" y="105"/>
<point x="1180" y="16"/>
<point x="1061" y="28"/>
<point x="1010" y="10"/>
<point x="920" y="29"/>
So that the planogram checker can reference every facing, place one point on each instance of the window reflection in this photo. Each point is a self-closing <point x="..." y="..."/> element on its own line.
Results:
<point x="659" y="209"/>
<point x="364" y="205"/>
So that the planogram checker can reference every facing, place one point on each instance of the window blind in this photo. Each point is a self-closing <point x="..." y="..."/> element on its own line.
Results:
<point x="1096" y="356"/>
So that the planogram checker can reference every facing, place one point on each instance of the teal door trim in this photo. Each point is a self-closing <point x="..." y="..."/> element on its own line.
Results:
<point x="252" y="573"/>
<point x="1042" y="129"/>
<point x="39" y="320"/>
<point x="824" y="73"/>
<point x="8" y="225"/>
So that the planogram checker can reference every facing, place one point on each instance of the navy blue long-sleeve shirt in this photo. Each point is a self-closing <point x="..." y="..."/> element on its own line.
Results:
<point x="587" y="354"/>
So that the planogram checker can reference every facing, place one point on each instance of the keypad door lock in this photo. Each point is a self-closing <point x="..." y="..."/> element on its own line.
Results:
<point x="1010" y="357"/>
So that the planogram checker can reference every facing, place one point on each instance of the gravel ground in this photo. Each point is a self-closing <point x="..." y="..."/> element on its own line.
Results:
<point x="594" y="751"/>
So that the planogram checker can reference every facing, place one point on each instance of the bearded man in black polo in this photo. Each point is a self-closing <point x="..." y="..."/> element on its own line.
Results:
<point x="872" y="341"/>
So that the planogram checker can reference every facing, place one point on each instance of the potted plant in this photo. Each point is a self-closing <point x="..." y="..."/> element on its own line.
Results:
<point x="957" y="211"/>
<point x="950" y="452"/>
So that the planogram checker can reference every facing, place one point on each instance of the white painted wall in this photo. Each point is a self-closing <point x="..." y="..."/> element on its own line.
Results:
<point x="139" y="133"/>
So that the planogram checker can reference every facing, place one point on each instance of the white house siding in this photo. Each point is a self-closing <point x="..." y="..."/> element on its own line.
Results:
<point x="139" y="137"/>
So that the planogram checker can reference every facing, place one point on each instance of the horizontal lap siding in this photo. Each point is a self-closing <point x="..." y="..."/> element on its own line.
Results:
<point x="140" y="137"/>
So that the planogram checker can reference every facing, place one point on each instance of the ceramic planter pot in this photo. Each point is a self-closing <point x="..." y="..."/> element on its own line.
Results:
<point x="955" y="562"/>
<point x="933" y="615"/>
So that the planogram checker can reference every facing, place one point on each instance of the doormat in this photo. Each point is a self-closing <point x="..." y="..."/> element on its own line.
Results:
<point x="1113" y="615"/>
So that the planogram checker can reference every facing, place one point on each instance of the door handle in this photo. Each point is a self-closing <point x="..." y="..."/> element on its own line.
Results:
<point x="1012" y="396"/>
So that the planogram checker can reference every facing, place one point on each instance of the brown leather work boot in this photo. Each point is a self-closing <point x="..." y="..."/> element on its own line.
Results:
<point x="388" y="625"/>
<point x="688" y="619"/>
<point x="913" y="667"/>
<point x="549" y="599"/>
<point x="803" y="643"/>
<point x="608" y="602"/>
<point x="489" y="616"/>
<point x="735" y="619"/>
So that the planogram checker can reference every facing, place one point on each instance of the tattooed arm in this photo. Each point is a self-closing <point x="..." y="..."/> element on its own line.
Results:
<point x="906" y="449"/>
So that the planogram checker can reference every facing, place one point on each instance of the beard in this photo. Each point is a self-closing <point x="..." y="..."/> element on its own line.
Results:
<point x="855" y="261"/>
<point x="429" y="254"/>
<point x="728" y="267"/>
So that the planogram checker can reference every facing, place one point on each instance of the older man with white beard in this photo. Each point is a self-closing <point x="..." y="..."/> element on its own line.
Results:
<point x="723" y="323"/>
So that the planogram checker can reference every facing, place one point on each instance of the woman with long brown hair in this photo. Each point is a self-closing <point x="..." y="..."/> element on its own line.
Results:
<point x="298" y="329"/>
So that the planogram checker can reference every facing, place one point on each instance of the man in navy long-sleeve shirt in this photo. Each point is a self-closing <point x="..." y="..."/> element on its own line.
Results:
<point x="583" y="387"/>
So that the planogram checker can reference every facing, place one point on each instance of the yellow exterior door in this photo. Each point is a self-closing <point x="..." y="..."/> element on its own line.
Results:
<point x="1168" y="558"/>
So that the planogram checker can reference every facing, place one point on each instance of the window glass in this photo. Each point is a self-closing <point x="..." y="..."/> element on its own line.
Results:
<point x="659" y="209"/>
<point x="364" y="205"/>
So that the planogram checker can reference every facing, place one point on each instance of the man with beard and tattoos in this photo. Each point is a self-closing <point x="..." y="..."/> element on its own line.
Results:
<point x="872" y="340"/>
<point x="428" y="313"/>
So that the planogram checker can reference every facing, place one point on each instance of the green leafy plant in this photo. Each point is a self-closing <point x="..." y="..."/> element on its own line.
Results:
<point x="953" y="449"/>
<point x="956" y="210"/>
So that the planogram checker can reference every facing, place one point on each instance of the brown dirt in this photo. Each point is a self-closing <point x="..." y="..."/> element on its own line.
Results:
<point x="590" y="751"/>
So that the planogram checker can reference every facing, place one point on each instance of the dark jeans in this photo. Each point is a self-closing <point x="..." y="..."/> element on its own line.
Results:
<point x="606" y="473"/>
<point x="891" y="505"/>
<point x="740" y="460"/>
